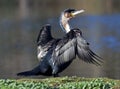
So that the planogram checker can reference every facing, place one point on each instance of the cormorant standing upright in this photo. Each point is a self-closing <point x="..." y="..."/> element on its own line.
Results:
<point x="57" y="54"/>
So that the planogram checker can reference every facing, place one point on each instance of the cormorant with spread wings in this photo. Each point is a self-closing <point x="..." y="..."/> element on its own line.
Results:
<point x="55" y="55"/>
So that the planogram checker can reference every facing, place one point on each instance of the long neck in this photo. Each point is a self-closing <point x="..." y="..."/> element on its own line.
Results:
<point x="64" y="24"/>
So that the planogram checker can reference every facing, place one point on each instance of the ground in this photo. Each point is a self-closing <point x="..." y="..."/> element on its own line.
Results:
<point x="60" y="83"/>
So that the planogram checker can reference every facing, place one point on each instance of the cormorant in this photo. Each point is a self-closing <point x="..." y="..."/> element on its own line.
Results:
<point x="55" y="55"/>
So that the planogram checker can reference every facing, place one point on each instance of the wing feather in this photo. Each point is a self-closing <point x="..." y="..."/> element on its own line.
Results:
<point x="65" y="52"/>
<point x="44" y="41"/>
<point x="67" y="49"/>
<point x="85" y="53"/>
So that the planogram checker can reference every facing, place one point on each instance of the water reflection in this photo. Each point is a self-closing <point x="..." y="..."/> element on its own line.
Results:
<point x="18" y="34"/>
<point x="113" y="43"/>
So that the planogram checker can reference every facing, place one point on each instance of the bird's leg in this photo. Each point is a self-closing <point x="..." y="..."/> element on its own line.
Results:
<point x="55" y="75"/>
<point x="55" y="71"/>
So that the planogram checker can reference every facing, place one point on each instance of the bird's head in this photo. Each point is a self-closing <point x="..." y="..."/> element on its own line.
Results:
<point x="71" y="13"/>
<point x="66" y="16"/>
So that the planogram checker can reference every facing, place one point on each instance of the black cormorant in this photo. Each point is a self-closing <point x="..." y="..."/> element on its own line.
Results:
<point x="56" y="54"/>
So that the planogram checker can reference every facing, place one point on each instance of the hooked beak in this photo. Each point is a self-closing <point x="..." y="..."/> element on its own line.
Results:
<point x="77" y="12"/>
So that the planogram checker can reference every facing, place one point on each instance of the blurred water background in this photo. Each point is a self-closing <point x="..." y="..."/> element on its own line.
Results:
<point x="21" y="20"/>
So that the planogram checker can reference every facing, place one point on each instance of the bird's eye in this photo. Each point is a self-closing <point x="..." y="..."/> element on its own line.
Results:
<point x="67" y="15"/>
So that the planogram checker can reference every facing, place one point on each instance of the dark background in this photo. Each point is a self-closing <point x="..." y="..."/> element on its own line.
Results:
<point x="21" y="20"/>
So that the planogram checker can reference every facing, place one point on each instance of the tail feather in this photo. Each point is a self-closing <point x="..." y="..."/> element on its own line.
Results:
<point x="34" y="71"/>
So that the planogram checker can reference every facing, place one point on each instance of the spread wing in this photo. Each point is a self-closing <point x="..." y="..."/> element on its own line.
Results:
<point x="44" y="35"/>
<point x="44" y="41"/>
<point x="85" y="53"/>
<point x="70" y="46"/>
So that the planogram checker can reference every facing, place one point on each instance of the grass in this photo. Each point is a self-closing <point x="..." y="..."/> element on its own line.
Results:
<point x="60" y="83"/>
